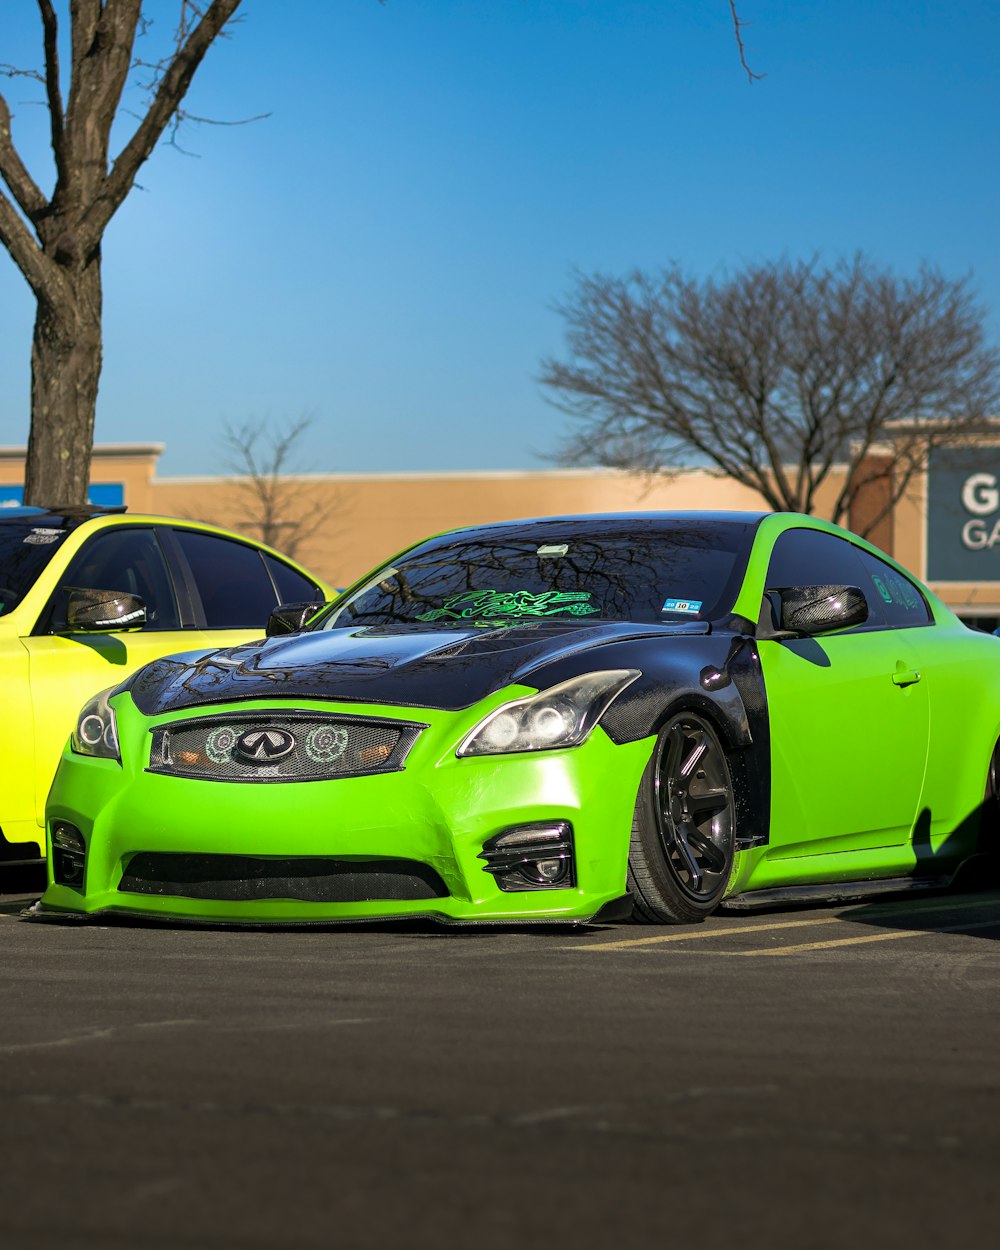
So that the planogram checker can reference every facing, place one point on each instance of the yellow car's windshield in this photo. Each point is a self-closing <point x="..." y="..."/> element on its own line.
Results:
<point x="26" y="547"/>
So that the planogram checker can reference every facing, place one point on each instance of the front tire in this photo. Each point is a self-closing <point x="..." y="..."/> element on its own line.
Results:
<point x="683" y="830"/>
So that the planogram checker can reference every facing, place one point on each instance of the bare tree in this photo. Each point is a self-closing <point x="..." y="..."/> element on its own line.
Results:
<point x="776" y="374"/>
<point x="274" y="504"/>
<point x="55" y="240"/>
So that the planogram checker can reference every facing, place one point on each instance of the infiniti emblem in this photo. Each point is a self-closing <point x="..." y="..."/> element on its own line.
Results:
<point x="264" y="746"/>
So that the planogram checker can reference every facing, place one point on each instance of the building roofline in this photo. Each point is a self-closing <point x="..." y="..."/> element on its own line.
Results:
<point x="409" y="475"/>
<point x="104" y="451"/>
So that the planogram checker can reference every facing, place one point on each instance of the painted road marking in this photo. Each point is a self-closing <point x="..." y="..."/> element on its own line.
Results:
<point x="699" y="934"/>
<point x="868" y="937"/>
<point x="694" y="935"/>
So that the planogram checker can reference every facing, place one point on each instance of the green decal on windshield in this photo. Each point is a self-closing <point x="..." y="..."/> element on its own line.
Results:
<point x="482" y="604"/>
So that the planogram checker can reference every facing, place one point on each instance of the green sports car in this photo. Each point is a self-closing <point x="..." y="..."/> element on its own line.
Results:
<point x="564" y="719"/>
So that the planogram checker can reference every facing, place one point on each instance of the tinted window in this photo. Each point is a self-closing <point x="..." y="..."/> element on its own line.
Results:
<point x="291" y="586"/>
<point x="25" y="550"/>
<point x="646" y="571"/>
<point x="235" y="589"/>
<point x="900" y="602"/>
<point x="125" y="559"/>
<point x="812" y="558"/>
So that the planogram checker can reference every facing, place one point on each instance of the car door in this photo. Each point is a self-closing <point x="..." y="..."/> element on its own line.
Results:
<point x="962" y="718"/>
<point x="849" y="724"/>
<point x="66" y="668"/>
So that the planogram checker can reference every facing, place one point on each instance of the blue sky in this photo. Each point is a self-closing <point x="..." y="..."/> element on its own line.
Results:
<point x="384" y="250"/>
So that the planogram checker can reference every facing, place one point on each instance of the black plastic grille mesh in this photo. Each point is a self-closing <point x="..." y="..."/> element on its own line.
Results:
<point x="281" y="748"/>
<point x="310" y="879"/>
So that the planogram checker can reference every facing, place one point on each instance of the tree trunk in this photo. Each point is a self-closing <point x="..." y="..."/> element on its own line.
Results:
<point x="65" y="370"/>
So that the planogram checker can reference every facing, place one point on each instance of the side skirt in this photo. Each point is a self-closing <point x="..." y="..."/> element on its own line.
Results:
<point x="841" y="892"/>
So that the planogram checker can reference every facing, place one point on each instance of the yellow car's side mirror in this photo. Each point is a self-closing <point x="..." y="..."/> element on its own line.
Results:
<point x="100" y="611"/>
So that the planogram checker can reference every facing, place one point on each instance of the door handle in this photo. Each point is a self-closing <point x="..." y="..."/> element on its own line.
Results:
<point x="905" y="676"/>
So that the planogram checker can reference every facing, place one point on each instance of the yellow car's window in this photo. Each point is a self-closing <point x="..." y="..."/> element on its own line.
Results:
<point x="125" y="559"/>
<point x="235" y="588"/>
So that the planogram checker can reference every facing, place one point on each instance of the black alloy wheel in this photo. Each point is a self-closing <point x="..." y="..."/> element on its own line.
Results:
<point x="683" y="832"/>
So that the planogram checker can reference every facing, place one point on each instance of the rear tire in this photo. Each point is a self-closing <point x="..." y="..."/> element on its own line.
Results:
<point x="683" y="829"/>
<point x="989" y="816"/>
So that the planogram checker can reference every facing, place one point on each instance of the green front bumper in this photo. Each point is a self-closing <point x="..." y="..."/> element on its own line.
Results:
<point x="438" y="812"/>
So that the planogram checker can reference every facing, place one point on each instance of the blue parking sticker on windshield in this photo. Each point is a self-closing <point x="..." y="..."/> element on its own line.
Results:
<point x="691" y="606"/>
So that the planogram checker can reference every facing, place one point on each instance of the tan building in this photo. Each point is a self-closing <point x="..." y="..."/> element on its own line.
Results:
<point x="947" y="528"/>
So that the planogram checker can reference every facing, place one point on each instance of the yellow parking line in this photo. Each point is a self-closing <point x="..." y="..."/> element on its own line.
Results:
<point x="869" y="937"/>
<point x="692" y="935"/>
<point x="887" y="909"/>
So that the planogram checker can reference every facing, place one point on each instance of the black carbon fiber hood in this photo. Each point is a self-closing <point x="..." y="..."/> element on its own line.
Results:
<point x="405" y="666"/>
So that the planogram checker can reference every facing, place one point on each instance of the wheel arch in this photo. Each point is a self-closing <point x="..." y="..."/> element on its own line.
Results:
<point x="715" y="675"/>
<point x="749" y="773"/>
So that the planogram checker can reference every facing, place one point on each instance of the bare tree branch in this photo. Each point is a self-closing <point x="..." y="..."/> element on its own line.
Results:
<point x="262" y="455"/>
<point x="169" y="93"/>
<point x="25" y="252"/>
<point x="53" y="93"/>
<point x="737" y="29"/>
<point x="26" y="192"/>
<point x="778" y="377"/>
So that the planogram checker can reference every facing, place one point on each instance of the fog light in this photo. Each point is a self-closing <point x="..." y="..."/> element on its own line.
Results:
<point x="532" y="857"/>
<point x="67" y="837"/>
<point x="551" y="870"/>
<point x="69" y="854"/>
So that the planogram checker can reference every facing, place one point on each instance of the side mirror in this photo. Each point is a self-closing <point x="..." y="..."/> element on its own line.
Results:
<point x="288" y="618"/>
<point x="101" y="611"/>
<point x="812" y="610"/>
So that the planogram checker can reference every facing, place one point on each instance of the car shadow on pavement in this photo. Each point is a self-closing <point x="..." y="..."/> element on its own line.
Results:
<point x="970" y="904"/>
<point x="979" y="921"/>
<point x="21" y="884"/>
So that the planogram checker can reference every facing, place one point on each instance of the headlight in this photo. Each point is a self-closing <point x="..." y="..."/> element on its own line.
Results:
<point x="96" y="732"/>
<point x="561" y="716"/>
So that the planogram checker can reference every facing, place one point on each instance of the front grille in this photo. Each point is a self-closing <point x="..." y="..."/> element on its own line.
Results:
<point x="214" y="748"/>
<point x="244" y="878"/>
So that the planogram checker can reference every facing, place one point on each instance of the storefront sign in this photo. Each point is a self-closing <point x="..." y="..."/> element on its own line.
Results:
<point x="963" y="515"/>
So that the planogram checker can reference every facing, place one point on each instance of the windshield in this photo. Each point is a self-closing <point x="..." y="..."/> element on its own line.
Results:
<point x="25" y="550"/>
<point x="566" y="572"/>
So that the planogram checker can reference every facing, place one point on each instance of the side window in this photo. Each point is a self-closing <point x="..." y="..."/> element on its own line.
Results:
<point x="125" y="558"/>
<point x="235" y="589"/>
<point x="291" y="586"/>
<point x="811" y="558"/>
<point x="900" y="601"/>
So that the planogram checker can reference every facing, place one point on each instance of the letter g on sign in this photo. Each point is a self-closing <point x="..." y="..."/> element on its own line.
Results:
<point x="980" y="495"/>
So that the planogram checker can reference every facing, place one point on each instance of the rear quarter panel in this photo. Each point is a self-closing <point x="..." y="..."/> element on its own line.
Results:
<point x="962" y="669"/>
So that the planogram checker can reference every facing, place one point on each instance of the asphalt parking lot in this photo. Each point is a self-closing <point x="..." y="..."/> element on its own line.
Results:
<point x="798" y="1078"/>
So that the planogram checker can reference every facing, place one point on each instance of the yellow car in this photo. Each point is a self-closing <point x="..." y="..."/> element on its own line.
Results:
<point x="89" y="595"/>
